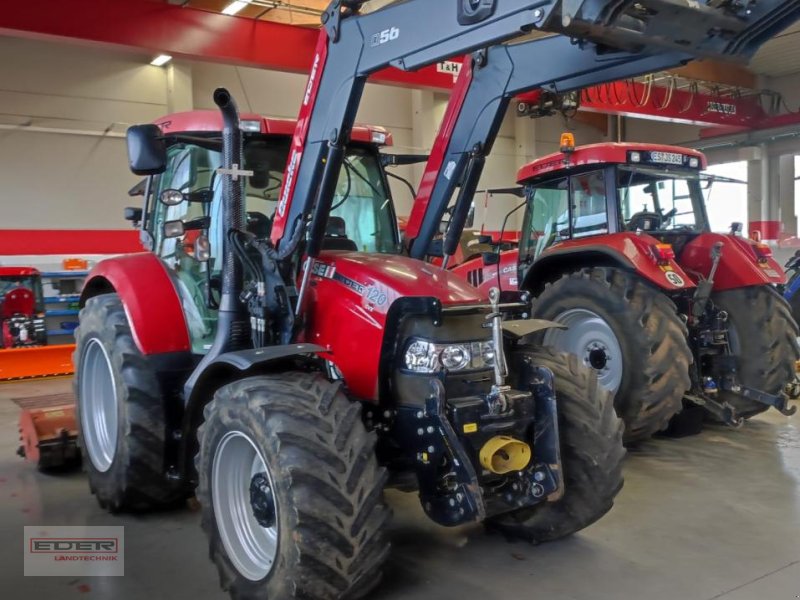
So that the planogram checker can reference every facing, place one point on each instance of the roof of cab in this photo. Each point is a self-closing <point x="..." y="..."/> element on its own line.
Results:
<point x="211" y="120"/>
<point x="610" y="152"/>
<point x="18" y="271"/>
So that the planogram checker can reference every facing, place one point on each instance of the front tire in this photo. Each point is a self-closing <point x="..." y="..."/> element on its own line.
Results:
<point x="763" y="335"/>
<point x="630" y="333"/>
<point x="591" y="453"/>
<point x="120" y="412"/>
<point x="325" y="535"/>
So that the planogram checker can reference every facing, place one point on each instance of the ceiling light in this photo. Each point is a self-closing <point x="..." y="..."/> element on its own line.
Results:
<point x="235" y="7"/>
<point x="161" y="60"/>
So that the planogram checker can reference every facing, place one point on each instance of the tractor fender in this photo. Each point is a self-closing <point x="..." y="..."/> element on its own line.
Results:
<point x="213" y="373"/>
<point x="739" y="266"/>
<point x="151" y="301"/>
<point x="244" y="360"/>
<point x="629" y="251"/>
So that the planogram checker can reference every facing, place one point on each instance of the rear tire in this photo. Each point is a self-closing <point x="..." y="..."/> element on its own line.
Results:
<point x="591" y="453"/>
<point x="120" y="413"/>
<point x="327" y="487"/>
<point x="763" y="335"/>
<point x="635" y="319"/>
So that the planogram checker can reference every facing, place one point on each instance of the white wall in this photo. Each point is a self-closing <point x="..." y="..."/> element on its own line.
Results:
<point x="69" y="180"/>
<point x="67" y="168"/>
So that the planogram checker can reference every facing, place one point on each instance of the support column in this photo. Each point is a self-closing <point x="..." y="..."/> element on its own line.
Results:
<point x="180" y="95"/>
<point x="525" y="140"/>
<point x="787" y="214"/>
<point x="424" y="124"/>
<point x="765" y="195"/>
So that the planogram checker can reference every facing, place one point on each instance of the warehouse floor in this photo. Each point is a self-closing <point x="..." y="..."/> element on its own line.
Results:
<point x="716" y="516"/>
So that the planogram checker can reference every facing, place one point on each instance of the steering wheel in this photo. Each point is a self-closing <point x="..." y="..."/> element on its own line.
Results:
<point x="668" y="216"/>
<point x="645" y="220"/>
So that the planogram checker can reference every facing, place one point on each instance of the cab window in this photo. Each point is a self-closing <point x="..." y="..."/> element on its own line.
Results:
<point x="547" y="218"/>
<point x="589" y="216"/>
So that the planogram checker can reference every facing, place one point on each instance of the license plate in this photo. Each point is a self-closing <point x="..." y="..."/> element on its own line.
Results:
<point x="670" y="158"/>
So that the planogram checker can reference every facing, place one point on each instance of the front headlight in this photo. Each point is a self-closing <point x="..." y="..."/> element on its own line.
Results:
<point x="422" y="356"/>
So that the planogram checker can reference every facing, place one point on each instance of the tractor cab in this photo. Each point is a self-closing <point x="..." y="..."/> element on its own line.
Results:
<point x="21" y="308"/>
<point x="181" y="220"/>
<point x="607" y="189"/>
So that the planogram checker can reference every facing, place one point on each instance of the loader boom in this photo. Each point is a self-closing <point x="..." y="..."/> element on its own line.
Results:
<point x="491" y="78"/>
<point x="414" y="33"/>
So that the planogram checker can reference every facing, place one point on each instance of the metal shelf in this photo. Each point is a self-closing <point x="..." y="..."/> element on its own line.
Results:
<point x="67" y="312"/>
<point x="60" y="332"/>
<point x="64" y="274"/>
<point x="62" y="299"/>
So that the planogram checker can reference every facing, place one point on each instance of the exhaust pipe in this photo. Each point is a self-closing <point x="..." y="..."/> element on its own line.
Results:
<point x="503" y="454"/>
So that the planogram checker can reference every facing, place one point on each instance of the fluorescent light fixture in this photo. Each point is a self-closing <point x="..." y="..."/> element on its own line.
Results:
<point x="161" y="60"/>
<point x="235" y="7"/>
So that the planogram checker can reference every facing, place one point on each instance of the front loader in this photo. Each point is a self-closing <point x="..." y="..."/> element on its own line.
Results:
<point x="333" y="371"/>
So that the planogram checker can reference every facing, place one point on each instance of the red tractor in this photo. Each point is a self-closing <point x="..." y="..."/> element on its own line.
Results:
<point x="289" y="375"/>
<point x="616" y="245"/>
<point x="21" y="308"/>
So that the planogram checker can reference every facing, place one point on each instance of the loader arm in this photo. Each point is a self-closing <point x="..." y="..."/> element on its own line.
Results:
<point x="491" y="78"/>
<point x="414" y="33"/>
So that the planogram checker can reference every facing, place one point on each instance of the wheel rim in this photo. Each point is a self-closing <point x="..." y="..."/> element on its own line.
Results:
<point x="251" y="547"/>
<point x="98" y="397"/>
<point x="591" y="339"/>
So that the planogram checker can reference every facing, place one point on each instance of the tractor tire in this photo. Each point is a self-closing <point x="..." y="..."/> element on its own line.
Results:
<point x="591" y="453"/>
<point x="120" y="413"/>
<point x="763" y="335"/>
<point x="323" y="536"/>
<point x="630" y="333"/>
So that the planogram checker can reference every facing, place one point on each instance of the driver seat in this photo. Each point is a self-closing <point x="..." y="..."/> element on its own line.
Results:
<point x="644" y="220"/>
<point x="336" y="236"/>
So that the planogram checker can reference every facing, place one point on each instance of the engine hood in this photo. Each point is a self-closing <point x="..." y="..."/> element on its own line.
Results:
<point x="382" y="278"/>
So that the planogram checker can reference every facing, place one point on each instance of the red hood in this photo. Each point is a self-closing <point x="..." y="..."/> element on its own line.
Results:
<point x="400" y="276"/>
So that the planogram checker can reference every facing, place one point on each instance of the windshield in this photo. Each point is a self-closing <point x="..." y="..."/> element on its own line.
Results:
<point x="8" y="283"/>
<point x="366" y="220"/>
<point x="547" y="218"/>
<point x="661" y="199"/>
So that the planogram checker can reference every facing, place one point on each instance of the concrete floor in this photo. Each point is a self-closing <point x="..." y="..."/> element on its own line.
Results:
<point x="716" y="516"/>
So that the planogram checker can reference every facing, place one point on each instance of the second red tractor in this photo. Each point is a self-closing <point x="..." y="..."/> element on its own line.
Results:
<point x="616" y="244"/>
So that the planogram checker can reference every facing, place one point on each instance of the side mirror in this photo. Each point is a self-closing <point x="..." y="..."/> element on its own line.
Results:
<point x="173" y="229"/>
<point x="147" y="151"/>
<point x="174" y="197"/>
<point x="736" y="228"/>
<point x="490" y="258"/>
<point x="133" y="214"/>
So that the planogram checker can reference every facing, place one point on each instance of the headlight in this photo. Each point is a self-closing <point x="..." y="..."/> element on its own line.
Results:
<point x="422" y="356"/>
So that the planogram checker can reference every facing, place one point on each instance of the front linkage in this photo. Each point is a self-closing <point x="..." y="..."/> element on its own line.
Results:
<point x="484" y="454"/>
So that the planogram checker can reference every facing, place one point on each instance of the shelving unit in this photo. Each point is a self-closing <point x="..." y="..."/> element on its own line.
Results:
<point x="55" y="303"/>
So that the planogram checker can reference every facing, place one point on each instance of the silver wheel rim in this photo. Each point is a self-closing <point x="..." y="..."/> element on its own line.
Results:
<point x="250" y="547"/>
<point x="592" y="340"/>
<point x="98" y="398"/>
